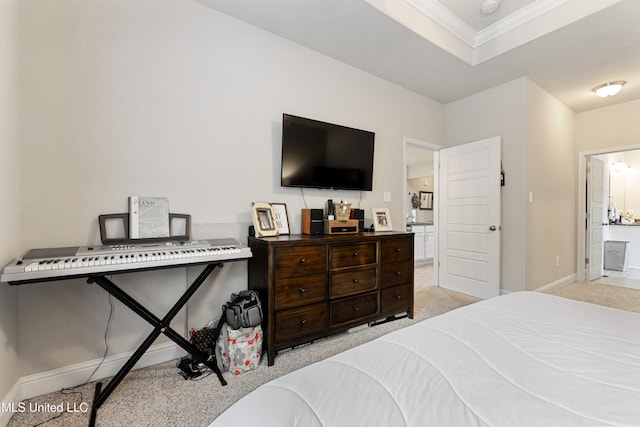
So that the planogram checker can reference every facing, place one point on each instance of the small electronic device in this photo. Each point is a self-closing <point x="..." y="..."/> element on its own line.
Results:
<point x="340" y="227"/>
<point x="312" y="222"/>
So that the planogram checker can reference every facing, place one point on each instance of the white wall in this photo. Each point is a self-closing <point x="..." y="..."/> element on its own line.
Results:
<point x="9" y="190"/>
<point x="551" y="177"/>
<point x="614" y="127"/>
<point x="170" y="98"/>
<point x="500" y="111"/>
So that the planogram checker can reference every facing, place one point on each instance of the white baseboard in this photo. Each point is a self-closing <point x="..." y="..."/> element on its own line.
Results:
<point x="567" y="280"/>
<point x="73" y="375"/>
<point x="11" y="400"/>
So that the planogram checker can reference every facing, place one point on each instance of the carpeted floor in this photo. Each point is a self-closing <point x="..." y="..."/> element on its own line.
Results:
<point x="158" y="396"/>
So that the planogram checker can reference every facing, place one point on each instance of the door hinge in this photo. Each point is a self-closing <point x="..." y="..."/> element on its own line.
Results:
<point x="586" y="261"/>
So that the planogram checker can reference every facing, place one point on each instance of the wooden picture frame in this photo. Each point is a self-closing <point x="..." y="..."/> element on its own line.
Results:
<point x="264" y="219"/>
<point x="281" y="217"/>
<point x="381" y="219"/>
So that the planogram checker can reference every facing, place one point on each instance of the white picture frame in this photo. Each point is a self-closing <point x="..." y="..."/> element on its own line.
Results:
<point x="381" y="219"/>
<point x="281" y="217"/>
<point x="264" y="219"/>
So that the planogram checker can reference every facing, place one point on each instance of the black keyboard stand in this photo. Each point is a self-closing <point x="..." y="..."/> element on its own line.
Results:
<point x="160" y="326"/>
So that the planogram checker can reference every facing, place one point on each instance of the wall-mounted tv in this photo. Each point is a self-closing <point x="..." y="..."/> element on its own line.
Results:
<point x="323" y="155"/>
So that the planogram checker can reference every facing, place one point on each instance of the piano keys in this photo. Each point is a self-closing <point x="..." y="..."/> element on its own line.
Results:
<point x="60" y="263"/>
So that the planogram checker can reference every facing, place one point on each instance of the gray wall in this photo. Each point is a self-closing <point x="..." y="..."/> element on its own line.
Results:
<point x="9" y="188"/>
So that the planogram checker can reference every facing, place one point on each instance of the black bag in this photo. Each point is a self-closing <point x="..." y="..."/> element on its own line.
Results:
<point x="243" y="311"/>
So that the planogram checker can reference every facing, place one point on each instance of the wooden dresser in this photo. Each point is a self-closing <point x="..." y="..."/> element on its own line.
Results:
<point x="314" y="286"/>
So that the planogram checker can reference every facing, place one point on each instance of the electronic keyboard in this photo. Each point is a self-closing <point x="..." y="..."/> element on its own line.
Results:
<point x="59" y="263"/>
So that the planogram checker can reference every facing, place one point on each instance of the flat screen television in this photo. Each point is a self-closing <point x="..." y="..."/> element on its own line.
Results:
<point x="323" y="155"/>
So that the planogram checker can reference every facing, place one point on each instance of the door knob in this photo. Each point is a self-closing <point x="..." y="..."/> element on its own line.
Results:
<point x="493" y="228"/>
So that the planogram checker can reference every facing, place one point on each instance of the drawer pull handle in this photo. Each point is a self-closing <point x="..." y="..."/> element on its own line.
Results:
<point x="398" y="273"/>
<point x="355" y="254"/>
<point x="302" y="290"/>
<point x="356" y="308"/>
<point x="397" y="296"/>
<point x="302" y="323"/>
<point x="398" y="249"/>
<point x="355" y="281"/>
<point x="303" y="260"/>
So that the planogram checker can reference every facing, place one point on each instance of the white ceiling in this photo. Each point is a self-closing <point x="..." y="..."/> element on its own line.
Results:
<point x="447" y="49"/>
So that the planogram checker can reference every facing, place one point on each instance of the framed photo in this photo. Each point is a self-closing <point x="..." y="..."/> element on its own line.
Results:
<point x="426" y="200"/>
<point x="263" y="219"/>
<point x="281" y="217"/>
<point x="381" y="219"/>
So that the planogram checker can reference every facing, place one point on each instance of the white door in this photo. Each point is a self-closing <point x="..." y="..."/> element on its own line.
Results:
<point x="595" y="217"/>
<point x="469" y="218"/>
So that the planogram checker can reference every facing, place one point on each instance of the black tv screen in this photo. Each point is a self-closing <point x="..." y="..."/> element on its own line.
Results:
<point x="323" y="155"/>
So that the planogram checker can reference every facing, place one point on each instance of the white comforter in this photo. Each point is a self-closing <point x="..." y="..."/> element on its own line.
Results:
<point x="524" y="359"/>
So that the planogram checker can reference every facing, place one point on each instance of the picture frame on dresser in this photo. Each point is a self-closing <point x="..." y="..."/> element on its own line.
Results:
<point x="381" y="219"/>
<point x="264" y="219"/>
<point x="281" y="217"/>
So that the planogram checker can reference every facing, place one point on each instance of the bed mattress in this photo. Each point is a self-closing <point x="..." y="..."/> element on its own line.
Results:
<point x="523" y="359"/>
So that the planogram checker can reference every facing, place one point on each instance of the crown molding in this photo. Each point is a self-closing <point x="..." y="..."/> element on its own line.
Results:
<point x="515" y="20"/>
<point x="446" y="19"/>
<point x="440" y="26"/>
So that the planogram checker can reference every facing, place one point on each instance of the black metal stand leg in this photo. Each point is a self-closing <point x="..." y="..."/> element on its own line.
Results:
<point x="160" y="326"/>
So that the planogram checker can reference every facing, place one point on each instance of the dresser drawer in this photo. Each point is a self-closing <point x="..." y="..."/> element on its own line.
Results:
<point x="349" y="282"/>
<point x="353" y="255"/>
<point x="352" y="310"/>
<point x="297" y="291"/>
<point x="395" y="273"/>
<point x="300" y="261"/>
<point x="395" y="299"/>
<point x="300" y="322"/>
<point x="396" y="250"/>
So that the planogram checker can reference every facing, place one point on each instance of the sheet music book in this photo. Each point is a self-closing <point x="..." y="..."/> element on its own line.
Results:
<point x="148" y="217"/>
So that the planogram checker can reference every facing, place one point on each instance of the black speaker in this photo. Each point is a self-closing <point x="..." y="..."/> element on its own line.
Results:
<point x="359" y="215"/>
<point x="312" y="221"/>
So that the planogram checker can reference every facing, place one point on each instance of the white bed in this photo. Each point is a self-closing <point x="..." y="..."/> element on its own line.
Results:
<point x="524" y="359"/>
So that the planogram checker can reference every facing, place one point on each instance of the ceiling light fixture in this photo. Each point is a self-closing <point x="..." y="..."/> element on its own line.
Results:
<point x="608" y="89"/>
<point x="490" y="6"/>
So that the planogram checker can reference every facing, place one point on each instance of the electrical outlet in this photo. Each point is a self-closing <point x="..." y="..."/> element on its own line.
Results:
<point x="387" y="197"/>
<point x="557" y="260"/>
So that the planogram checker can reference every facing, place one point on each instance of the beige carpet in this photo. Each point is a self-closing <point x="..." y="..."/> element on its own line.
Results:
<point x="600" y="292"/>
<point x="158" y="396"/>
